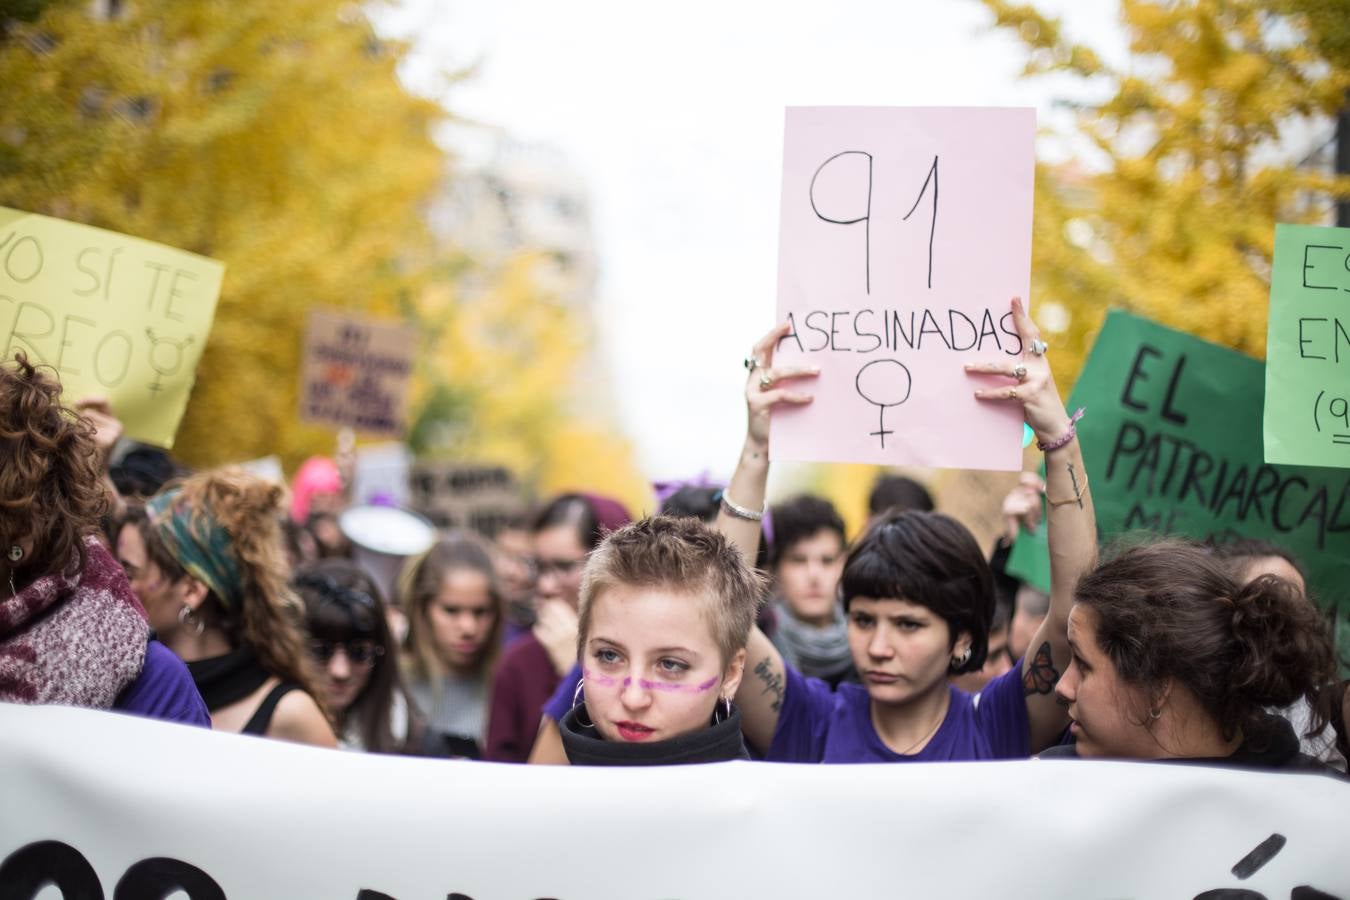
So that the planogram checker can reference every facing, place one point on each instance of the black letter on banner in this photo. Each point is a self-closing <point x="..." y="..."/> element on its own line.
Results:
<point x="157" y="878"/>
<point x="866" y="218"/>
<point x="1170" y="412"/>
<point x="1307" y="265"/>
<point x="1137" y="374"/>
<point x="368" y="894"/>
<point x="932" y="229"/>
<point x="29" y="869"/>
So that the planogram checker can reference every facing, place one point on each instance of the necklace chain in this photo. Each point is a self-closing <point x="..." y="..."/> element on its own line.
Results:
<point x="940" y="719"/>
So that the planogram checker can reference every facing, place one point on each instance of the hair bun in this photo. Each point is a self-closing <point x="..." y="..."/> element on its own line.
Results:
<point x="1282" y="641"/>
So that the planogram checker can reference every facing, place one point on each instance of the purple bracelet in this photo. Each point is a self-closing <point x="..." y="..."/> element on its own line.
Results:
<point x="1064" y="438"/>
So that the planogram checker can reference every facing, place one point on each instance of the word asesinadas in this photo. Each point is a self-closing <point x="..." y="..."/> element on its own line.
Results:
<point x="866" y="330"/>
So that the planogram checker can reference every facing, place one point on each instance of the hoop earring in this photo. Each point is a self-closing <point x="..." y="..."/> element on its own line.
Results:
<point x="724" y="709"/>
<point x="579" y="705"/>
<point x="959" y="661"/>
<point x="188" y="618"/>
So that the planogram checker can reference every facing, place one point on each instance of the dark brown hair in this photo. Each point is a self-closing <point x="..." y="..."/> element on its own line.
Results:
<point x="932" y="560"/>
<point x="684" y="555"/>
<point x="51" y="486"/>
<point x="799" y="518"/>
<point x="1171" y="611"/>
<point x="343" y="603"/>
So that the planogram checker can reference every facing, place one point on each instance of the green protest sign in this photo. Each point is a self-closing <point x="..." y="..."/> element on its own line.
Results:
<point x="1172" y="443"/>
<point x="1307" y="419"/>
<point x="115" y="316"/>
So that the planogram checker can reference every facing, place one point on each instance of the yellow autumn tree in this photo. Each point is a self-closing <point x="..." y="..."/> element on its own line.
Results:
<point x="498" y="387"/>
<point x="1210" y="135"/>
<point x="275" y="137"/>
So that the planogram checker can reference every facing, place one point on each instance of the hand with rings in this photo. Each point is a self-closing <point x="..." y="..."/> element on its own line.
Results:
<point x="761" y="395"/>
<point x="1035" y="389"/>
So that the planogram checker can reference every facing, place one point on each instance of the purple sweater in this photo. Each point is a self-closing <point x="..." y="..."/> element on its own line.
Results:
<point x="164" y="690"/>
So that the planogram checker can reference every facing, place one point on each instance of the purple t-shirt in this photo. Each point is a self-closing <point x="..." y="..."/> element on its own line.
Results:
<point x="164" y="690"/>
<point x="564" y="698"/>
<point x="820" y="725"/>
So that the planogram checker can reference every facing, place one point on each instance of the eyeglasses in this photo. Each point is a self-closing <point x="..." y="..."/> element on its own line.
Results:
<point x="559" y="567"/>
<point x="359" y="652"/>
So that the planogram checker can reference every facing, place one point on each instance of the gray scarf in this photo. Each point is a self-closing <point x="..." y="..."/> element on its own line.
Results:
<point x="815" y="652"/>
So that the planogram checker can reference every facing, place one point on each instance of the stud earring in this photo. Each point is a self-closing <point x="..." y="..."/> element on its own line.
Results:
<point x="15" y="553"/>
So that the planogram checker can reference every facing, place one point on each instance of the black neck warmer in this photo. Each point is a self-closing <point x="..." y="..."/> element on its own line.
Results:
<point x="716" y="743"/>
<point x="223" y="680"/>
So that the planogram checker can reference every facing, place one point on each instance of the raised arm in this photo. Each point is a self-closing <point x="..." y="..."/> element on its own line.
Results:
<point x="760" y="696"/>
<point x="1071" y="521"/>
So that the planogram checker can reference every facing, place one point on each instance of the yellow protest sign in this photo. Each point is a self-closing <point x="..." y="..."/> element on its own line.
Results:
<point x="116" y="316"/>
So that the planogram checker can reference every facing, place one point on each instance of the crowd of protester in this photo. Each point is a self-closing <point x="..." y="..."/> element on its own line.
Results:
<point x="716" y="629"/>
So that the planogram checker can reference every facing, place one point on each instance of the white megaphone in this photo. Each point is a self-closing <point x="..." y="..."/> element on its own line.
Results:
<point x="383" y="537"/>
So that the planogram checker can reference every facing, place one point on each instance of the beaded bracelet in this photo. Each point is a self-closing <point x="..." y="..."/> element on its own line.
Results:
<point x="1065" y="437"/>
<point x="740" y="512"/>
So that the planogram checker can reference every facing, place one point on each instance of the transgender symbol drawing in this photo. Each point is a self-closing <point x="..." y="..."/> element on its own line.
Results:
<point x="883" y="383"/>
<point x="165" y="363"/>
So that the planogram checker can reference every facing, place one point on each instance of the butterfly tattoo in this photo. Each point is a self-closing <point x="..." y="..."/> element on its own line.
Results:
<point x="1039" y="675"/>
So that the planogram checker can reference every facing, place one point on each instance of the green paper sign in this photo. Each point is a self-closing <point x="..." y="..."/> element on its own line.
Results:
<point x="1307" y="420"/>
<point x="1172" y="444"/>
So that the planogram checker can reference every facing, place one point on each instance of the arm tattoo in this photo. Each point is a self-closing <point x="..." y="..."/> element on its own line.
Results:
<point x="1077" y="489"/>
<point x="773" y="683"/>
<point x="1039" y="673"/>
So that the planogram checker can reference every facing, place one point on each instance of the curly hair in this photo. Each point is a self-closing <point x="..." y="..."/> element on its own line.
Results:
<point x="51" y="487"/>
<point x="270" y="618"/>
<point x="1170" y="611"/>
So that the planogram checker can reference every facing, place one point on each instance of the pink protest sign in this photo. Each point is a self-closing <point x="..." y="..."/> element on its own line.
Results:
<point x="904" y="235"/>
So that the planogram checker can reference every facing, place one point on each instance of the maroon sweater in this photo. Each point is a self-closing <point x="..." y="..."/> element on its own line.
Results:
<point x="524" y="681"/>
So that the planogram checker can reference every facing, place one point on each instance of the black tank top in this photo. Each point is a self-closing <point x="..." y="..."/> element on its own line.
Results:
<point x="262" y="716"/>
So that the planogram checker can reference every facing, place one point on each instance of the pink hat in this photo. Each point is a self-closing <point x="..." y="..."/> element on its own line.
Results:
<point x="317" y="475"/>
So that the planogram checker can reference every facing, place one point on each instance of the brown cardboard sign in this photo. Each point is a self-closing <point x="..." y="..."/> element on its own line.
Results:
<point x="356" y="373"/>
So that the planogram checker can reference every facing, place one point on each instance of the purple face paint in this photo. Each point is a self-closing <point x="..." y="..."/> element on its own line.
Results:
<point x="663" y="686"/>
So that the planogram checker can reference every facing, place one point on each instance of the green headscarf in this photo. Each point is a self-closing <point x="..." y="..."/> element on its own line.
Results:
<point x="199" y="543"/>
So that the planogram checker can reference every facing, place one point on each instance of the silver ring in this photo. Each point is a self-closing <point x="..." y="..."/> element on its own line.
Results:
<point x="1020" y="372"/>
<point x="765" y="382"/>
<point x="1038" y="347"/>
<point x="750" y="363"/>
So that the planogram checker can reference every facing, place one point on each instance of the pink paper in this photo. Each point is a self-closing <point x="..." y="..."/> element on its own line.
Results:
<point x="890" y="308"/>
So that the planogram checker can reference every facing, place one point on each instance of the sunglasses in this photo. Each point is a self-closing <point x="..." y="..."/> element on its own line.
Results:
<point x="559" y="567"/>
<point x="359" y="652"/>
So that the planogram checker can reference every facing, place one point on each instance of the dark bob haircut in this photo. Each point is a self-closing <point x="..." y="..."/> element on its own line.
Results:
<point x="931" y="560"/>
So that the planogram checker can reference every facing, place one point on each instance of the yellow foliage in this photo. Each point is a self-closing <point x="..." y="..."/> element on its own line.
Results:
<point x="274" y="137"/>
<point x="1197" y="165"/>
<point x="277" y="138"/>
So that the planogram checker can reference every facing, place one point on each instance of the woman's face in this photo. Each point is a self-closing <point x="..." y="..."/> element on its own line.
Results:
<point x="159" y="596"/>
<point x="1106" y="713"/>
<point x="347" y="667"/>
<point x="461" y="618"/>
<point x="559" y="557"/>
<point x="902" y="650"/>
<point x="652" y="669"/>
<point x="808" y="576"/>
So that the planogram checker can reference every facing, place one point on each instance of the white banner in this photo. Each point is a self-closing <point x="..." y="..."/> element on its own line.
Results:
<point x="117" y="807"/>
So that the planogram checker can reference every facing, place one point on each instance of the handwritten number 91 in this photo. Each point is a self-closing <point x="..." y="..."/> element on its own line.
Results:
<point x="851" y="213"/>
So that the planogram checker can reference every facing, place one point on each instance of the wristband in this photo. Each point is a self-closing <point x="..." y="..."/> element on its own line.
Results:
<point x="740" y="512"/>
<point x="1065" y="437"/>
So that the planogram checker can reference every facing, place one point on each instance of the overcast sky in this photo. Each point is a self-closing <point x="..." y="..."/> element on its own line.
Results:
<point x="673" y="115"/>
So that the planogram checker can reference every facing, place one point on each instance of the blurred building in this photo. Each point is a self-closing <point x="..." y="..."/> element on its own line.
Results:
<point x="529" y="197"/>
<point x="524" y="197"/>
